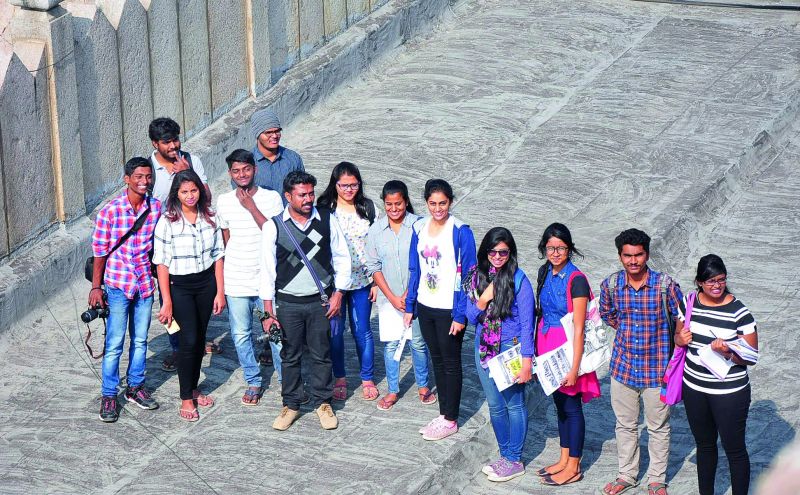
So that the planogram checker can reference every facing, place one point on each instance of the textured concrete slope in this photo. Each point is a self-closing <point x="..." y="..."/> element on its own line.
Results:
<point x="600" y="114"/>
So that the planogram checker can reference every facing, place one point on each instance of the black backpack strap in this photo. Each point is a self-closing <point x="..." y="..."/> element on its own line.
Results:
<point x="666" y="281"/>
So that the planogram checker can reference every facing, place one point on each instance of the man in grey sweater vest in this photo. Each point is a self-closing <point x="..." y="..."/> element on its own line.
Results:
<point x="293" y="300"/>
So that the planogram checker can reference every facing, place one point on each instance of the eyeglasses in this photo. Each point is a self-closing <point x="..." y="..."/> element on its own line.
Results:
<point x="715" y="283"/>
<point x="272" y="132"/>
<point x="503" y="253"/>
<point x="348" y="187"/>
<point x="556" y="249"/>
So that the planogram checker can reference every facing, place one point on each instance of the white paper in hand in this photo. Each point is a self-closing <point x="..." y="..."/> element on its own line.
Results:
<point x="390" y="322"/>
<point x="398" y="354"/>
<point x="714" y="361"/>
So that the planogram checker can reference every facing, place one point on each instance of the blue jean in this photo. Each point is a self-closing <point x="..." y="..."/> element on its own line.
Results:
<point x="240" y="318"/>
<point x="133" y="315"/>
<point x="419" y="358"/>
<point x="357" y="306"/>
<point x="507" y="411"/>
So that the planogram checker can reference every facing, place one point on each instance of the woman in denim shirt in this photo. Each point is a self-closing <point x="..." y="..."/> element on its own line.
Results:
<point x="500" y="303"/>
<point x="557" y="276"/>
<point x="388" y="242"/>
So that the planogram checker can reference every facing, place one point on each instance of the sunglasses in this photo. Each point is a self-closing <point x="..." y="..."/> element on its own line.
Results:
<point x="503" y="253"/>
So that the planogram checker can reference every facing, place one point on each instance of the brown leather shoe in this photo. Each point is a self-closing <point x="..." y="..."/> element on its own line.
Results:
<point x="327" y="418"/>
<point x="285" y="419"/>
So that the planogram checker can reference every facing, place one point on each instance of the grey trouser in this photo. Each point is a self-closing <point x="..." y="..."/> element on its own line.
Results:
<point x="625" y="402"/>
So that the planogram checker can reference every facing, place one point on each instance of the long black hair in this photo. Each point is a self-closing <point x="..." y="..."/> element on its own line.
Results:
<point x="329" y="196"/>
<point x="709" y="267"/>
<point x="394" y="187"/>
<point x="504" y="290"/>
<point x="173" y="207"/>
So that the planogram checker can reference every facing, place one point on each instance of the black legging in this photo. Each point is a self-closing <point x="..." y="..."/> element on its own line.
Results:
<point x="725" y="414"/>
<point x="445" y="352"/>
<point x="192" y="303"/>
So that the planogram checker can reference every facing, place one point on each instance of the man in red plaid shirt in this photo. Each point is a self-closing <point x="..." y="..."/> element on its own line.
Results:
<point x="632" y="301"/>
<point x="129" y="286"/>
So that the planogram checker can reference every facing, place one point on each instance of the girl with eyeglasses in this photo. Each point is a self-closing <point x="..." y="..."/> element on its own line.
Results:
<point x="345" y="198"/>
<point x="717" y="407"/>
<point x="441" y="254"/>
<point x="501" y="306"/>
<point x="561" y="287"/>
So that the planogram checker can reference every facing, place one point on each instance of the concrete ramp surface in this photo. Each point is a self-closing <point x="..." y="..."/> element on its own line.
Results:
<point x="600" y="114"/>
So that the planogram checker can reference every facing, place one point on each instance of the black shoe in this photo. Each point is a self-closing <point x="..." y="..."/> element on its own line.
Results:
<point x="108" y="410"/>
<point x="141" y="397"/>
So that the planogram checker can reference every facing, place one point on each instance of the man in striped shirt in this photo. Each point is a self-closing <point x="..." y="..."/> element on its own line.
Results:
<point x="633" y="302"/>
<point x="129" y="286"/>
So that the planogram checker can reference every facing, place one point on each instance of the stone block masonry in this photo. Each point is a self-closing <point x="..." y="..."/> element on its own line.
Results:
<point x="93" y="76"/>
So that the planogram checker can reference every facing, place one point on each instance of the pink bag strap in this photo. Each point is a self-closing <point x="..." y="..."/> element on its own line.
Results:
<point x="569" y="289"/>
<point x="690" y="298"/>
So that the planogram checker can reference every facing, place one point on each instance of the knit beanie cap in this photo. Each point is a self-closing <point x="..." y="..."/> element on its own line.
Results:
<point x="262" y="120"/>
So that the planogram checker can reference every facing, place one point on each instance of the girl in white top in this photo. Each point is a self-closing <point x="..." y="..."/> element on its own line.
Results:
<point x="188" y="251"/>
<point x="345" y="198"/>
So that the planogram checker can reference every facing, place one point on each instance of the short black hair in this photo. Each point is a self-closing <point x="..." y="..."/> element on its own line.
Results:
<point x="240" y="155"/>
<point x="296" y="177"/>
<point x="136" y="162"/>
<point x="438" y="185"/>
<point x="163" y="129"/>
<point x="632" y="237"/>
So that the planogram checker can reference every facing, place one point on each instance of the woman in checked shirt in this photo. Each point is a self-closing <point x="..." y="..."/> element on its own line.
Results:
<point x="188" y="250"/>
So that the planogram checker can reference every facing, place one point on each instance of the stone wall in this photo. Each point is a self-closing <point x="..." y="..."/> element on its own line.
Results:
<point x="84" y="79"/>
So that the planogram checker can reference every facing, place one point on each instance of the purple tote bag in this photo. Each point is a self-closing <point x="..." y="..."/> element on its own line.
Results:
<point x="671" y="392"/>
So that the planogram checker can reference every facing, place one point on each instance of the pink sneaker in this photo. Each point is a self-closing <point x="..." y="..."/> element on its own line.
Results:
<point x="433" y="422"/>
<point x="442" y="429"/>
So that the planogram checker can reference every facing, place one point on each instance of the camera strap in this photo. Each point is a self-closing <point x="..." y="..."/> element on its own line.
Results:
<point x="89" y="336"/>
<point x="322" y="295"/>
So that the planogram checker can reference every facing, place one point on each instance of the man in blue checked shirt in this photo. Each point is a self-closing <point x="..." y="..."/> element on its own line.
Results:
<point x="631" y="302"/>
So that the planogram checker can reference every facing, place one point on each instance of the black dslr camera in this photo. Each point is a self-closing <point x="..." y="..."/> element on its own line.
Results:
<point x="96" y="312"/>
<point x="92" y="314"/>
<point x="274" y="332"/>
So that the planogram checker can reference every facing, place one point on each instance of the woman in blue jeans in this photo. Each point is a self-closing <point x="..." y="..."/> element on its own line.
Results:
<point x="388" y="243"/>
<point x="500" y="303"/>
<point x="344" y="196"/>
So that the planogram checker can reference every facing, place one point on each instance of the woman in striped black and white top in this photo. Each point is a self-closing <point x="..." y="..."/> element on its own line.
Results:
<point x="717" y="407"/>
<point x="188" y="250"/>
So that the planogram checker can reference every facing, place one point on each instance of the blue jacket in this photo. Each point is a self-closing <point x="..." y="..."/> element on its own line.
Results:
<point x="464" y="248"/>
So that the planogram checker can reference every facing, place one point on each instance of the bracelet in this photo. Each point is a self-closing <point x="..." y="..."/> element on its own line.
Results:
<point x="96" y="288"/>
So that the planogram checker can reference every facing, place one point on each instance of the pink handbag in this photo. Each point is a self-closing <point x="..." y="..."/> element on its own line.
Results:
<point x="671" y="391"/>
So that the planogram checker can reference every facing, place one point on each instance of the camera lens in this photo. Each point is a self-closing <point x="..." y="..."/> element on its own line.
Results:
<point x="89" y="315"/>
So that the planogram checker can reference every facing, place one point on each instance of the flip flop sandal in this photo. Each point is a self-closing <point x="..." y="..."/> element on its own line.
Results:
<point x="385" y="404"/>
<point x="213" y="348"/>
<point x="251" y="397"/>
<point x="202" y="399"/>
<point x="426" y="396"/>
<point x="617" y="487"/>
<point x="548" y="480"/>
<point x="657" y="489"/>
<point x="340" y="390"/>
<point x="189" y="415"/>
<point x="366" y="395"/>
<point x="168" y="364"/>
